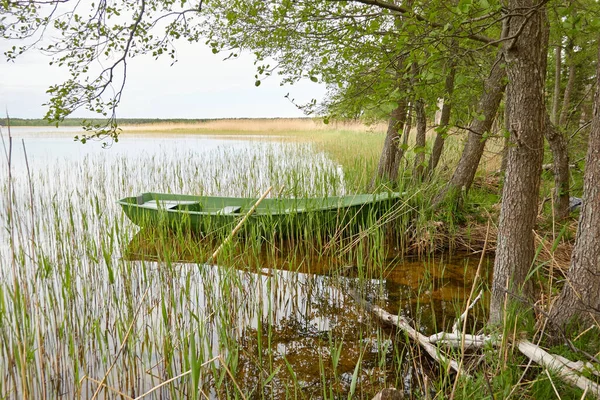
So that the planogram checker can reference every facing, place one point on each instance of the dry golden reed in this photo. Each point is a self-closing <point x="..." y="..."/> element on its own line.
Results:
<point x="258" y="125"/>
<point x="311" y="128"/>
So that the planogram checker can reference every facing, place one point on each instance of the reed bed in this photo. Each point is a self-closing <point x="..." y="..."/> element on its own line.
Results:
<point x="354" y="145"/>
<point x="264" y="126"/>
<point x="90" y="306"/>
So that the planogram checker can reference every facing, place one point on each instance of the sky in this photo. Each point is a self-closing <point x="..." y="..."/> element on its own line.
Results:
<point x="199" y="85"/>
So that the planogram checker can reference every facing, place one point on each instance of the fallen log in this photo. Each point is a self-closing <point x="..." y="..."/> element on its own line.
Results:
<point x="565" y="369"/>
<point x="549" y="167"/>
<point x="580" y="366"/>
<point x="403" y="324"/>
<point x="455" y="340"/>
<point x="557" y="365"/>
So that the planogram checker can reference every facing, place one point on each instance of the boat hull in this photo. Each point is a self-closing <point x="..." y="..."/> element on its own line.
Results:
<point x="219" y="215"/>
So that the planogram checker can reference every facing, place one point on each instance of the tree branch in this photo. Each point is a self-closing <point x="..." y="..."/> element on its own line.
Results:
<point x="407" y="12"/>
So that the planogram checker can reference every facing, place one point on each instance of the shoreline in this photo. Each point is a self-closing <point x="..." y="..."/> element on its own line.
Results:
<point x="220" y="125"/>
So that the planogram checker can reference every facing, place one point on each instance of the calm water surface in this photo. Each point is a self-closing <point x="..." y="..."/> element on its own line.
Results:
<point x="77" y="275"/>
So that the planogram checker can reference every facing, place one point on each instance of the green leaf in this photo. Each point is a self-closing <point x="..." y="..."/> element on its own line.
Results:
<point x="464" y="6"/>
<point x="314" y="79"/>
<point x="257" y="83"/>
<point x="355" y="377"/>
<point x="231" y="16"/>
<point x="195" y="364"/>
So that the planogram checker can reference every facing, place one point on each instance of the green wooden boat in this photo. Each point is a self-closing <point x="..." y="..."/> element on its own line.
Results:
<point x="286" y="216"/>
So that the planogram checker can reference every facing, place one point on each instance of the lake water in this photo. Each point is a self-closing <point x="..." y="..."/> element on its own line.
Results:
<point x="85" y="294"/>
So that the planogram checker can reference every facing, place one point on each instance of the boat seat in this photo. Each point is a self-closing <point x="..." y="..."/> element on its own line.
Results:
<point x="230" y="210"/>
<point x="187" y="206"/>
<point x="172" y="205"/>
<point x="293" y="210"/>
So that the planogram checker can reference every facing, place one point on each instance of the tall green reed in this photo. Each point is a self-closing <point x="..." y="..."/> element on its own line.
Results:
<point x="256" y="324"/>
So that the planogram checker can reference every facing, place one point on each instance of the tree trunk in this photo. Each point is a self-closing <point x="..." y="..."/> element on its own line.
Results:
<point x="565" y="111"/>
<point x="526" y="69"/>
<point x="442" y="129"/>
<point x="586" y="108"/>
<point x="504" y="155"/>
<point x="579" y="297"/>
<point x="557" y="75"/>
<point x="386" y="170"/>
<point x="463" y="176"/>
<point x="560" y="155"/>
<point x="506" y="138"/>
<point x="407" y="129"/>
<point x="405" y="134"/>
<point x="420" y="140"/>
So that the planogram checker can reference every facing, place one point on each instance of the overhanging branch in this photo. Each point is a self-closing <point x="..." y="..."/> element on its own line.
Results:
<point x="410" y="13"/>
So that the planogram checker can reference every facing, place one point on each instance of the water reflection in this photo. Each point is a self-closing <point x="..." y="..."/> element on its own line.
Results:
<point x="293" y="310"/>
<point x="428" y="291"/>
<point x="45" y="145"/>
<point x="282" y="326"/>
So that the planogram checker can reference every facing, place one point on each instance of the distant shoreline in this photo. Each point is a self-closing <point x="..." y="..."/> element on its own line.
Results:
<point x="135" y="121"/>
<point x="217" y="125"/>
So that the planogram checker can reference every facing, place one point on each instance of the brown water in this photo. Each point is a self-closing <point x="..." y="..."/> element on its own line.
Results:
<point x="78" y="280"/>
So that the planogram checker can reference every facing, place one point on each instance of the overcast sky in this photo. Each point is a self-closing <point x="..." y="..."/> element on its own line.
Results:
<point x="200" y="85"/>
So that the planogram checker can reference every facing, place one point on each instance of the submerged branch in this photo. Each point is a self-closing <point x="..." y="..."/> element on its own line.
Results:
<point x="403" y="324"/>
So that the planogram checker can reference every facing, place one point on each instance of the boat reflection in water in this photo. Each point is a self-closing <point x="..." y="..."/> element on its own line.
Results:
<point x="278" y="311"/>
